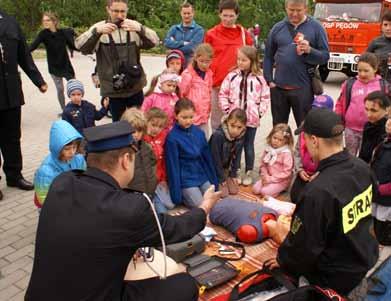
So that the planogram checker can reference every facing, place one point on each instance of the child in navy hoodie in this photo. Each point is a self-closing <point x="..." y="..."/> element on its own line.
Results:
<point x="81" y="113"/>
<point x="189" y="163"/>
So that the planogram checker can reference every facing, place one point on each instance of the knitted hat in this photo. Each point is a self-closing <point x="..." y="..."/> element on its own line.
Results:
<point x="323" y="101"/>
<point x="73" y="85"/>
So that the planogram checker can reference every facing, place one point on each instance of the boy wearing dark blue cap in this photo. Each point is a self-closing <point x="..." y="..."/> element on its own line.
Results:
<point x="90" y="227"/>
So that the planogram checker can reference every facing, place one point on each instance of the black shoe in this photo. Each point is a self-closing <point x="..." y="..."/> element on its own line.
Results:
<point x="21" y="184"/>
<point x="1" y="197"/>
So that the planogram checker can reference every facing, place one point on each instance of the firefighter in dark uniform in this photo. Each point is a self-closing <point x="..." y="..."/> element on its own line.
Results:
<point x="13" y="52"/>
<point x="90" y="226"/>
<point x="329" y="242"/>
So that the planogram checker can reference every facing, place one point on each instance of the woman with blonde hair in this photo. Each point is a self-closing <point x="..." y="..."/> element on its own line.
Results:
<point x="56" y="41"/>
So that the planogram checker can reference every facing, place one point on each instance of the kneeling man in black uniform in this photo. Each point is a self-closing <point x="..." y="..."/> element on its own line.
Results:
<point x="329" y="241"/>
<point x="90" y="227"/>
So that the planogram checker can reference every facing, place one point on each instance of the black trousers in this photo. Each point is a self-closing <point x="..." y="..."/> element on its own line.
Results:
<point x="10" y="133"/>
<point x="300" y="100"/>
<point x="119" y="105"/>
<point x="179" y="287"/>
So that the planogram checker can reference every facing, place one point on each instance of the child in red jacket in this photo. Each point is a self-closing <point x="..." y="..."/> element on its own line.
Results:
<point x="156" y="137"/>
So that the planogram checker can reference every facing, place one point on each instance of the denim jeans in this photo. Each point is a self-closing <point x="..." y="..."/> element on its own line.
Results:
<point x="216" y="114"/>
<point x="58" y="82"/>
<point x="353" y="141"/>
<point x="193" y="196"/>
<point x="249" y="153"/>
<point x="162" y="199"/>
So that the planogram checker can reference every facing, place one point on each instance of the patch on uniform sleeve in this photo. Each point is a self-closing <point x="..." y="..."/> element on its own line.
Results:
<point x="357" y="209"/>
<point x="296" y="224"/>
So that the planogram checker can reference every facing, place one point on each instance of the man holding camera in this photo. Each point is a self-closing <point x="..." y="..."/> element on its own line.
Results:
<point x="117" y="42"/>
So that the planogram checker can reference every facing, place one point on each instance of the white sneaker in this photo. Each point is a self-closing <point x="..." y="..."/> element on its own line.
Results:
<point x="247" y="179"/>
<point x="239" y="177"/>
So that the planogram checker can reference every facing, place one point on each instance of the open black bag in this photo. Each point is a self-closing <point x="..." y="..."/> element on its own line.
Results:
<point x="268" y="280"/>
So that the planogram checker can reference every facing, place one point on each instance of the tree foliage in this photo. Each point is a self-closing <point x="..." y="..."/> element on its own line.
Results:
<point x="157" y="14"/>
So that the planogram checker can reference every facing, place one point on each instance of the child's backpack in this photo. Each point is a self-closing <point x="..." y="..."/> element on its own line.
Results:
<point x="384" y="86"/>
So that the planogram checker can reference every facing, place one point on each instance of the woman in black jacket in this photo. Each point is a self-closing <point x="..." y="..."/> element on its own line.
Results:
<point x="56" y="41"/>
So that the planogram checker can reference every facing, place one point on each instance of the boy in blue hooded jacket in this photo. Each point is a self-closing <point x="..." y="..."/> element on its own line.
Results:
<point x="64" y="141"/>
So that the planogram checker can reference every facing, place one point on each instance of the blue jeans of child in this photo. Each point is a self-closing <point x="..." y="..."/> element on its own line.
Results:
<point x="249" y="153"/>
<point x="193" y="196"/>
<point x="162" y="199"/>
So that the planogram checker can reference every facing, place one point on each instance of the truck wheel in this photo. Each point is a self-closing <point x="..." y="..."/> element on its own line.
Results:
<point x="324" y="72"/>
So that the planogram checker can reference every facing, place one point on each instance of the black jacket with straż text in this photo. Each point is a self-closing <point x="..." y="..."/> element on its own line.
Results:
<point x="329" y="242"/>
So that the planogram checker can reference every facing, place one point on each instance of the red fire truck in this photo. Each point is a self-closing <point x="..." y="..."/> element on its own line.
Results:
<point x="350" y="25"/>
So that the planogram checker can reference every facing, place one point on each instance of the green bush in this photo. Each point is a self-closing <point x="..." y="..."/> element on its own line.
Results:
<point x="157" y="14"/>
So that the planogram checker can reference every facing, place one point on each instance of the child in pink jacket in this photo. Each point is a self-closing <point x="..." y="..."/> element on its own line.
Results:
<point x="164" y="96"/>
<point x="353" y="113"/>
<point x="196" y="85"/>
<point x="246" y="89"/>
<point x="276" y="166"/>
<point x="304" y="165"/>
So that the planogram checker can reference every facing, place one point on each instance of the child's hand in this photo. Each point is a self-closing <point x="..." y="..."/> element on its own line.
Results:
<point x="304" y="175"/>
<point x="264" y="179"/>
<point x="388" y="126"/>
<point x="235" y="181"/>
<point x="106" y="102"/>
<point x="210" y="199"/>
<point x="313" y="176"/>
<point x="164" y="184"/>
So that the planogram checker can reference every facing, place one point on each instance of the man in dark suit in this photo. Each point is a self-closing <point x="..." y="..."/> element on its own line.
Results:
<point x="14" y="52"/>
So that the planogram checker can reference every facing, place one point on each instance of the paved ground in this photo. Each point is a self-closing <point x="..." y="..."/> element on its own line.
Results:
<point x="18" y="215"/>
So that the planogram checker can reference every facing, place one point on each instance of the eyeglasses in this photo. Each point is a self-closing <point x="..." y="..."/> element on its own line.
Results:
<point x="119" y="11"/>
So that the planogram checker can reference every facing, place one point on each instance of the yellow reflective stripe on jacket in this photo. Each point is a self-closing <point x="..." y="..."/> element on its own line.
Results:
<point x="357" y="209"/>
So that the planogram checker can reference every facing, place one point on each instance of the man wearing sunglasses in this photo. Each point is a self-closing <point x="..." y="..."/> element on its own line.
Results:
<point x="117" y="42"/>
<point x="91" y="225"/>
